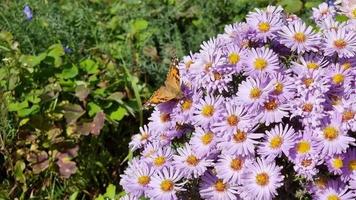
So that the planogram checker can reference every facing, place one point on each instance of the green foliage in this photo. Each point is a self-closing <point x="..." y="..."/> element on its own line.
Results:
<point x="72" y="82"/>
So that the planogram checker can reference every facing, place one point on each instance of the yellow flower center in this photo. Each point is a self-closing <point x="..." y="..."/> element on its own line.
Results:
<point x="262" y="179"/>
<point x="276" y="142"/>
<point x="347" y="115"/>
<point x="346" y="65"/>
<point x="352" y="165"/>
<point x="333" y="197"/>
<point x="330" y="133"/>
<point x="340" y="43"/>
<point x="167" y="185"/>
<point x="260" y="63"/>
<point x="312" y="65"/>
<point x="303" y="147"/>
<point x="143" y="180"/>
<point x="220" y="185"/>
<point x="187" y="104"/>
<point x="240" y="136"/>
<point x="308" y="81"/>
<point x="165" y="117"/>
<point x="159" y="161"/>
<point x="321" y="182"/>
<point x="234" y="58"/>
<point x="236" y="164"/>
<point x="144" y="136"/>
<point x="271" y="105"/>
<point x="207" y="138"/>
<point x="278" y="88"/>
<point x="338" y="78"/>
<point x="354" y="13"/>
<point x="255" y="93"/>
<point x="232" y="120"/>
<point x="307" y="107"/>
<point x="335" y="100"/>
<point x="208" y="110"/>
<point x="217" y="76"/>
<point x="264" y="26"/>
<point x="300" y="37"/>
<point x="337" y="163"/>
<point x="208" y="65"/>
<point x="192" y="160"/>
<point x="306" y="162"/>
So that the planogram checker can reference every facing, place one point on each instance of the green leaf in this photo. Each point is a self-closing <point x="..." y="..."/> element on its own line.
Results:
<point x="56" y="51"/>
<point x="74" y="196"/>
<point x="110" y="191"/>
<point x="89" y="66"/>
<point x="341" y="18"/>
<point x="100" y="197"/>
<point x="33" y="98"/>
<point x="118" y="114"/>
<point x="18" y="172"/>
<point x="28" y="111"/>
<point x="93" y="109"/>
<point x="32" y="61"/>
<point x="139" y="25"/>
<point x="16" y="106"/>
<point x="313" y="3"/>
<point x="69" y="72"/>
<point x="291" y="6"/>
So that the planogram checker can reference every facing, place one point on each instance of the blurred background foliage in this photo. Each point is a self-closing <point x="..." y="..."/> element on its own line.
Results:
<point x="73" y="79"/>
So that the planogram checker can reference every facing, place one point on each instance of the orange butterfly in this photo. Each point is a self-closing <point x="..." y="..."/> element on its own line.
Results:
<point x="171" y="88"/>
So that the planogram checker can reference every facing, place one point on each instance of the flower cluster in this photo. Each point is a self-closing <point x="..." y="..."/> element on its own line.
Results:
<point x="269" y="103"/>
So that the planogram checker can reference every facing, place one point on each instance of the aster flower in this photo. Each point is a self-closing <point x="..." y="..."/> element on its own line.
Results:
<point x="335" y="163"/>
<point x="283" y="85"/>
<point x="341" y="42"/>
<point x="339" y="76"/>
<point x="28" y="12"/>
<point x="254" y="91"/>
<point x="161" y="158"/>
<point x="261" y="61"/>
<point x="234" y="55"/>
<point x="240" y="143"/>
<point x="273" y="110"/>
<point x="309" y="62"/>
<point x="323" y="11"/>
<point x="280" y="139"/>
<point x="160" y="120"/>
<point x="305" y="166"/>
<point x="335" y="190"/>
<point x="333" y="139"/>
<point x="299" y="37"/>
<point x="349" y="166"/>
<point x="203" y="141"/>
<point x="189" y="163"/>
<point x="233" y="117"/>
<point x="207" y="110"/>
<point x="213" y="188"/>
<point x="265" y="24"/>
<point x="347" y="109"/>
<point x="312" y="81"/>
<point x="261" y="180"/>
<point x="231" y="167"/>
<point x="306" y="144"/>
<point x="138" y="140"/>
<point x="164" y="184"/>
<point x="129" y="197"/>
<point x="136" y="178"/>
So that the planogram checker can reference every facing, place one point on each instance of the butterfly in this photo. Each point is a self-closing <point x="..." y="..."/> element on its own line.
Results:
<point x="171" y="89"/>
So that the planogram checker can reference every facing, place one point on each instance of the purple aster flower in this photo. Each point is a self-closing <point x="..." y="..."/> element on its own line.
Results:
<point x="347" y="109"/>
<point x="335" y="163"/>
<point x="203" y="141"/>
<point x="254" y="91"/>
<point x="160" y="120"/>
<point x="189" y="163"/>
<point x="231" y="167"/>
<point x="272" y="111"/>
<point x="183" y="112"/>
<point x="305" y="166"/>
<point x="242" y="142"/>
<point x="140" y="139"/>
<point x="161" y="158"/>
<point x="136" y="177"/>
<point x="322" y="12"/>
<point x="238" y="33"/>
<point x="265" y="24"/>
<point x="341" y="42"/>
<point x="349" y="166"/>
<point x="309" y="62"/>
<point x="208" y="110"/>
<point x="28" y="12"/>
<point x="306" y="144"/>
<point x="129" y="197"/>
<point x="277" y="141"/>
<point x="340" y="76"/>
<point x="261" y="61"/>
<point x="333" y="138"/>
<point x="233" y="117"/>
<point x="164" y="184"/>
<point x="335" y="190"/>
<point x="211" y="187"/>
<point x="234" y="55"/>
<point x="353" y="181"/>
<point x="284" y="88"/>
<point x="311" y="81"/>
<point x="299" y="37"/>
<point x="261" y="180"/>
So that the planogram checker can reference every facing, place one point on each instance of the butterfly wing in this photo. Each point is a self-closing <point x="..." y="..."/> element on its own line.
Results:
<point x="171" y="89"/>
